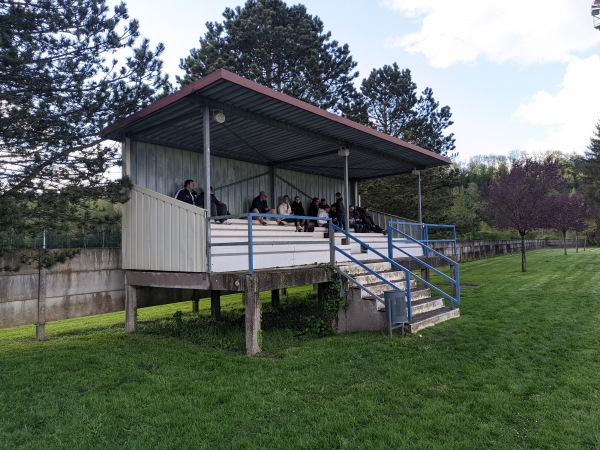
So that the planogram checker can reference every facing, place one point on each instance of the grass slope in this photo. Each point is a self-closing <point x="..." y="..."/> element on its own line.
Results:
<point x="519" y="369"/>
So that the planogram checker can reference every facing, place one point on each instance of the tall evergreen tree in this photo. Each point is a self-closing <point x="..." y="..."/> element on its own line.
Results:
<point x="277" y="46"/>
<point x="60" y="83"/>
<point x="591" y="169"/>
<point x="389" y="97"/>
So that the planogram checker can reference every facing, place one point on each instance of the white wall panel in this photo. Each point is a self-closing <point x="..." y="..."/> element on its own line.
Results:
<point x="161" y="233"/>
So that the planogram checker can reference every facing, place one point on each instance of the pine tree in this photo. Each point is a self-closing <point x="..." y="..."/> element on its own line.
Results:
<point x="277" y="46"/>
<point x="390" y="101"/>
<point x="60" y="83"/>
<point x="591" y="169"/>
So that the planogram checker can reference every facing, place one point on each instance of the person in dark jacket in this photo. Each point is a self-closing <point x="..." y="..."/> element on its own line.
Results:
<point x="260" y="205"/>
<point x="313" y="211"/>
<point x="188" y="194"/>
<point x="298" y="210"/>
<point x="354" y="220"/>
<point x="340" y="210"/>
<point x="367" y="219"/>
<point x="217" y="207"/>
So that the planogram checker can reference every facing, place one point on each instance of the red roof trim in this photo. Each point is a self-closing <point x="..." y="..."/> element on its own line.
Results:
<point x="223" y="74"/>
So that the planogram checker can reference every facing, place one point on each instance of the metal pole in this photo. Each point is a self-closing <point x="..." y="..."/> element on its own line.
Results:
<point x="206" y="133"/>
<point x="346" y="195"/>
<point x="420" y="210"/>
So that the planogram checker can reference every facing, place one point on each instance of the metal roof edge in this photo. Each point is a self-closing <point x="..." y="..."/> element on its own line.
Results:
<point x="222" y="74"/>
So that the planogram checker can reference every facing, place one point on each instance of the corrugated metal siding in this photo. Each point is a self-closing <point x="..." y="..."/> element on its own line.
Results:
<point x="307" y="186"/>
<point x="161" y="233"/>
<point x="164" y="169"/>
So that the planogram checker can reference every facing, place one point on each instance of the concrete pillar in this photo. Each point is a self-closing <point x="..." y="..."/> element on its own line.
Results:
<point x="40" y="326"/>
<point x="195" y="302"/>
<point x="215" y="305"/>
<point x="275" y="298"/>
<point x="130" y="308"/>
<point x="252" y="296"/>
<point x="425" y="274"/>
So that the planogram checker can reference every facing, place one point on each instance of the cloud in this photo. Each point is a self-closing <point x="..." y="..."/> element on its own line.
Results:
<point x="570" y="115"/>
<point x="527" y="32"/>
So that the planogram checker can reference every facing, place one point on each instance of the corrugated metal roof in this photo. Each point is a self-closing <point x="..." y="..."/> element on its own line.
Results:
<point x="267" y="127"/>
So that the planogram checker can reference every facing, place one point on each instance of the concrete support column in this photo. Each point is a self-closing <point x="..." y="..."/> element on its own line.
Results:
<point x="195" y="302"/>
<point x="40" y="325"/>
<point x="130" y="308"/>
<point x="275" y="298"/>
<point x="252" y="296"/>
<point x="215" y="305"/>
<point x="425" y="274"/>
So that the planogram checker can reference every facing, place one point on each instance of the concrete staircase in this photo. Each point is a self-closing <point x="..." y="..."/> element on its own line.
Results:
<point x="366" y="313"/>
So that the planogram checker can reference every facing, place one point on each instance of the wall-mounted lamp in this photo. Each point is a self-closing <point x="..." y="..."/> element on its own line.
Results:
<point x="218" y="116"/>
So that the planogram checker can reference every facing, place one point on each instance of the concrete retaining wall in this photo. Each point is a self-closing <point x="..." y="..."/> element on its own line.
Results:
<point x="93" y="282"/>
<point x="90" y="283"/>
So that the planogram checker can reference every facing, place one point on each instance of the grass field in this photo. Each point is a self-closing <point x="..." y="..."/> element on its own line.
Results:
<point x="519" y="369"/>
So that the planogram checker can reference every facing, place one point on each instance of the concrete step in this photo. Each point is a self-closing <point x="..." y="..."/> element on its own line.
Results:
<point x="431" y="318"/>
<point x="369" y="278"/>
<point x="265" y="257"/>
<point x="380" y="288"/>
<point x="354" y="269"/>
<point x="243" y="241"/>
<point x="427" y="304"/>
<point x="273" y="249"/>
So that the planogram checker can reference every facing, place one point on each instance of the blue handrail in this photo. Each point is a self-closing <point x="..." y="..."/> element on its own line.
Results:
<point x="333" y="229"/>
<point x="407" y="273"/>
<point x="426" y="250"/>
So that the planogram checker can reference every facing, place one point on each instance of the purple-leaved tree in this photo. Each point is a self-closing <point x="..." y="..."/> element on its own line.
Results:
<point x="569" y="212"/>
<point x="519" y="200"/>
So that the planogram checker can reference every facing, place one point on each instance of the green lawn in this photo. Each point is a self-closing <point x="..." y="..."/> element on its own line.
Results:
<point x="519" y="369"/>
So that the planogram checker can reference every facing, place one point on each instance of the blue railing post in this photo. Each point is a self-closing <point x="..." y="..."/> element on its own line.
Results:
<point x="390" y="231"/>
<point x="425" y="239"/>
<point x="408" y="294"/>
<point x="454" y="238"/>
<point x="331" y="243"/>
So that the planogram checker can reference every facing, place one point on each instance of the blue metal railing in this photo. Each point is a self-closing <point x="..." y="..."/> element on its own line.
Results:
<point x="454" y="269"/>
<point x="429" y="226"/>
<point x="407" y="274"/>
<point x="392" y="230"/>
<point x="251" y="242"/>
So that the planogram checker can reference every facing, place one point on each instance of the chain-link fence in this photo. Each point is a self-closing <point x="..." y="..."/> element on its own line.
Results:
<point x="98" y="236"/>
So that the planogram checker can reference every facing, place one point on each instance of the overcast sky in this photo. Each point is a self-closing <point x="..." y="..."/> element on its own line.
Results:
<point x="517" y="74"/>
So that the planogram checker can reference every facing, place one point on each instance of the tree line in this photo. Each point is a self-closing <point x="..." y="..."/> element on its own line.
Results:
<point x="68" y="68"/>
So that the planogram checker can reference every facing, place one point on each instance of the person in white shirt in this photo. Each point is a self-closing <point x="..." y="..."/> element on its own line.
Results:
<point x="285" y="209"/>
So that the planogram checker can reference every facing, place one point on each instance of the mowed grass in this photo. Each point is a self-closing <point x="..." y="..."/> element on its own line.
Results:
<point x="519" y="369"/>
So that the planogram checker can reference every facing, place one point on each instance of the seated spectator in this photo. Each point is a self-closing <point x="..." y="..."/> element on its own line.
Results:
<point x="367" y="219"/>
<point x="334" y="215"/>
<point x="188" y="194"/>
<point x="217" y="208"/>
<point x="285" y="209"/>
<point x="313" y="211"/>
<point x="260" y="205"/>
<point x="324" y="213"/>
<point x="298" y="210"/>
<point x="355" y="220"/>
